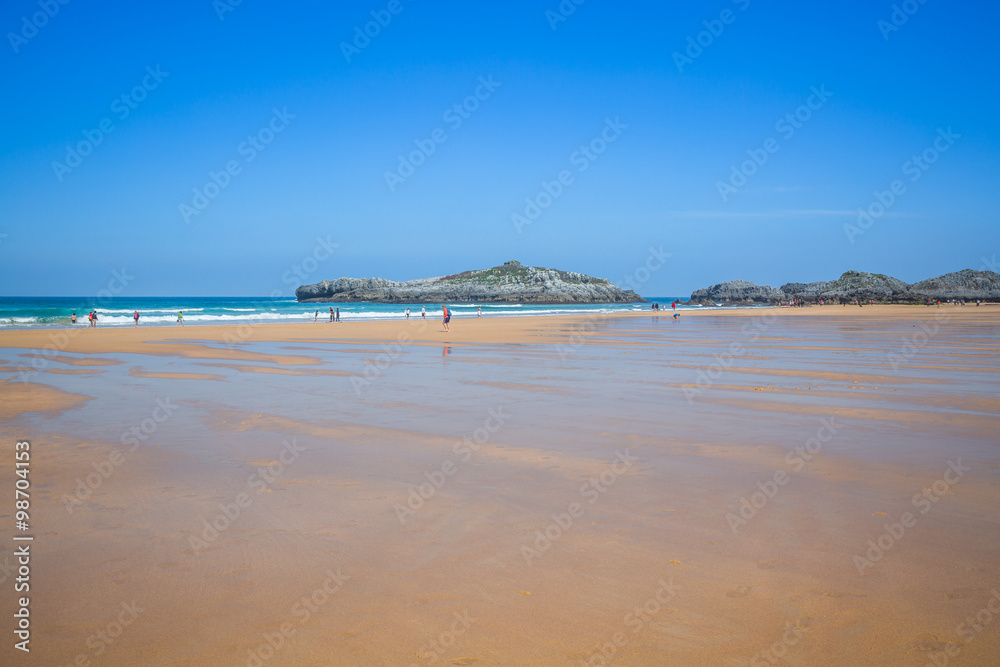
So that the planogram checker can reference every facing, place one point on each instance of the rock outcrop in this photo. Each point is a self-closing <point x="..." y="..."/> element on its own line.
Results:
<point x="861" y="286"/>
<point x="854" y="285"/>
<point x="966" y="284"/>
<point x="736" y="292"/>
<point x="510" y="282"/>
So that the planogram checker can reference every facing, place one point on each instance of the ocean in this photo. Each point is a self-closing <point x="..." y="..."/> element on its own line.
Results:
<point x="44" y="312"/>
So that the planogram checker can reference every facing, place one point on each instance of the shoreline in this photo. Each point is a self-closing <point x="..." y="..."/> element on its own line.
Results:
<point x="394" y="317"/>
<point x="198" y="340"/>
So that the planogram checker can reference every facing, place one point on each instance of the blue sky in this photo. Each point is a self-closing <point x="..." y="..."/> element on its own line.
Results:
<point x="336" y="125"/>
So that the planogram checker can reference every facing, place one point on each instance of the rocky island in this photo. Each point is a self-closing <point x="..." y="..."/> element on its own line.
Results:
<point x="966" y="285"/>
<point x="511" y="282"/>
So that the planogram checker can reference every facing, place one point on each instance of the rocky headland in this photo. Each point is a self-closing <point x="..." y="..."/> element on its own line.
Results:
<point x="966" y="285"/>
<point x="511" y="282"/>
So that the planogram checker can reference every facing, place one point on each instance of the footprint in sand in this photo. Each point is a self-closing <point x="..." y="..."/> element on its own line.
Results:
<point x="463" y="661"/>
<point x="769" y="564"/>
<point x="927" y="644"/>
<point x="963" y="592"/>
<point x="740" y="592"/>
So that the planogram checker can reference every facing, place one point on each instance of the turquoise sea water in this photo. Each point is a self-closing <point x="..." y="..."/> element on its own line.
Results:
<point x="35" y="312"/>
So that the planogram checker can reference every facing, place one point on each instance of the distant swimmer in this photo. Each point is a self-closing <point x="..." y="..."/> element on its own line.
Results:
<point x="180" y="318"/>
<point x="447" y="317"/>
<point x="72" y="318"/>
<point x="135" y="316"/>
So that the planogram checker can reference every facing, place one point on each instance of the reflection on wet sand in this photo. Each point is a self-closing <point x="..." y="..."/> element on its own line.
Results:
<point x="554" y="499"/>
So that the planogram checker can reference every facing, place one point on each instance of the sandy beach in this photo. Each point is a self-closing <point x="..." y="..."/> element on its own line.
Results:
<point x="802" y="486"/>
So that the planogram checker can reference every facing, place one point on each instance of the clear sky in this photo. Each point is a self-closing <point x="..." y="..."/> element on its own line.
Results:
<point x="188" y="88"/>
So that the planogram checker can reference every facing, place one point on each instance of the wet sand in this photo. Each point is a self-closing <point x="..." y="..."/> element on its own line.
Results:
<point x="727" y="489"/>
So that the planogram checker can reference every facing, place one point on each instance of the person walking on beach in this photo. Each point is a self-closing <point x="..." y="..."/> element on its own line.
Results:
<point x="93" y="318"/>
<point x="480" y="311"/>
<point x="336" y="316"/>
<point x="331" y="313"/>
<point x="407" y="313"/>
<point x="180" y="318"/>
<point x="135" y="316"/>
<point x="447" y="317"/>
<point x="423" y="313"/>
<point x="316" y="317"/>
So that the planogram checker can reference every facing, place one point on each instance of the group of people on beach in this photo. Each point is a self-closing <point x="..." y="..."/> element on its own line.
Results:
<point x="656" y="306"/>
<point x="92" y="318"/>
<point x="335" y="315"/>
